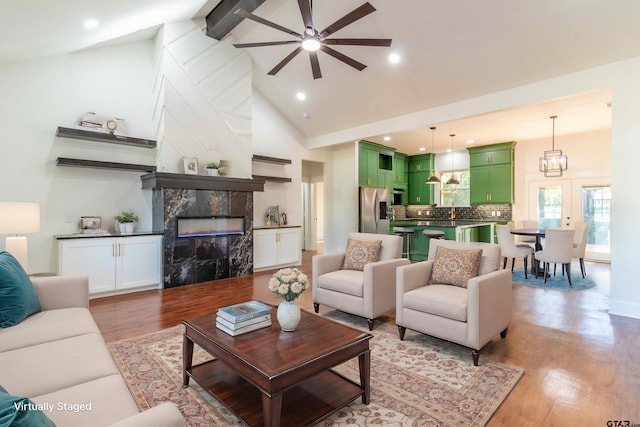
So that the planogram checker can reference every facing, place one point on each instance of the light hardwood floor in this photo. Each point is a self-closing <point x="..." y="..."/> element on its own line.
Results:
<point x="582" y="365"/>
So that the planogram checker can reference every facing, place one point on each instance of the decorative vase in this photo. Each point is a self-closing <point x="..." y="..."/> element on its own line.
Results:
<point x="212" y="172"/>
<point x="126" y="228"/>
<point x="288" y="315"/>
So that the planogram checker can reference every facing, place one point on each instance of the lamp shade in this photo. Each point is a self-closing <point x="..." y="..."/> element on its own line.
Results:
<point x="19" y="218"/>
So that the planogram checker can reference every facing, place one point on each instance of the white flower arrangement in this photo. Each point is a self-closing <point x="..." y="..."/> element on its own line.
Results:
<point x="288" y="283"/>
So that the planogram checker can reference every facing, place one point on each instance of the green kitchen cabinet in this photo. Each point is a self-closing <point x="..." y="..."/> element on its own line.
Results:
<point x="491" y="173"/>
<point x="400" y="170"/>
<point x="375" y="165"/>
<point x="367" y="167"/>
<point x="420" y="167"/>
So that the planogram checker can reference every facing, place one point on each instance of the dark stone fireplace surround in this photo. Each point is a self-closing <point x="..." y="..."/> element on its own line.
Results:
<point x="199" y="259"/>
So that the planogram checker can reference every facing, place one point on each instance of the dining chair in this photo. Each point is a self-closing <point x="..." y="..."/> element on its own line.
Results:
<point x="558" y="248"/>
<point x="510" y="249"/>
<point x="580" y="243"/>
<point x="529" y="223"/>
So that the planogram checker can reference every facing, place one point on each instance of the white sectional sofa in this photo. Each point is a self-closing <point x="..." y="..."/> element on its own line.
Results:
<point x="59" y="360"/>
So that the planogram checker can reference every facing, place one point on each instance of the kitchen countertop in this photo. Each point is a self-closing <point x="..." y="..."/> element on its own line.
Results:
<point x="457" y="223"/>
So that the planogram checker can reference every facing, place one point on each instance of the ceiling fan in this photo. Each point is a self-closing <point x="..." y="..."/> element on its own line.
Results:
<point x="313" y="40"/>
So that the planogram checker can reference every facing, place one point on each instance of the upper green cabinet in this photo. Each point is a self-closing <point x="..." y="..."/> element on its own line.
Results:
<point x="375" y="165"/>
<point x="491" y="173"/>
<point x="400" y="171"/>
<point x="420" y="166"/>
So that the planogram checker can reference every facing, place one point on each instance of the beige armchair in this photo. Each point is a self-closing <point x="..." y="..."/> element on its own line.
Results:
<point x="369" y="292"/>
<point x="469" y="316"/>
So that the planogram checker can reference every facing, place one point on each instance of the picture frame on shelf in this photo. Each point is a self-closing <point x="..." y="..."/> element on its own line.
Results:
<point x="190" y="166"/>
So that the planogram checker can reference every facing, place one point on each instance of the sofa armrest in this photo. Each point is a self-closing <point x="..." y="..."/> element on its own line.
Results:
<point x="489" y="306"/>
<point x="321" y="264"/>
<point x="408" y="278"/>
<point x="62" y="291"/>
<point x="380" y="285"/>
<point x="164" y="415"/>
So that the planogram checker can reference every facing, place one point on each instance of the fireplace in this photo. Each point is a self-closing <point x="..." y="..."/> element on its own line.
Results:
<point x="211" y="226"/>
<point x="207" y="225"/>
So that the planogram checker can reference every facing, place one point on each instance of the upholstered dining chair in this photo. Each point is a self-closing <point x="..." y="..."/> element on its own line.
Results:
<point x="529" y="223"/>
<point x="361" y="280"/>
<point x="558" y="248"/>
<point x="459" y="294"/>
<point x="580" y="239"/>
<point x="510" y="249"/>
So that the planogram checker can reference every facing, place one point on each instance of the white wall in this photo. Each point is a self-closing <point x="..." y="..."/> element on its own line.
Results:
<point x="39" y="95"/>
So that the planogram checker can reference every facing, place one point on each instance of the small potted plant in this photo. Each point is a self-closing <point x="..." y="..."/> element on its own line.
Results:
<point x="212" y="168"/>
<point x="126" y="221"/>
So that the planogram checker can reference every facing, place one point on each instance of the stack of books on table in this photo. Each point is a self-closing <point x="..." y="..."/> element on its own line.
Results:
<point x="244" y="317"/>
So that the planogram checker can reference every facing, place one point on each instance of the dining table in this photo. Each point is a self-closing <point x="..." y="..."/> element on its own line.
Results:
<point x="538" y="233"/>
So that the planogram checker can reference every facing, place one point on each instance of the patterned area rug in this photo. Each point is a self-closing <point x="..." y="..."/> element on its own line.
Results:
<point x="554" y="282"/>
<point x="421" y="381"/>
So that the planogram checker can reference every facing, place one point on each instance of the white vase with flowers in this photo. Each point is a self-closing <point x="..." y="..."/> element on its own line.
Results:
<point x="289" y="284"/>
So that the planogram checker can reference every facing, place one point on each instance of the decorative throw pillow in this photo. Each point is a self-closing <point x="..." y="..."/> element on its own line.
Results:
<point x="455" y="266"/>
<point x="21" y="412"/>
<point x="18" y="297"/>
<point x="361" y="252"/>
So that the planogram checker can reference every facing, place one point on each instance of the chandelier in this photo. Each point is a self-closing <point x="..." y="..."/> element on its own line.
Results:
<point x="553" y="162"/>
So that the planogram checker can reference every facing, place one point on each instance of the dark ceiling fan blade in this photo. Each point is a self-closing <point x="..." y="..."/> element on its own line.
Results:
<point x="305" y="11"/>
<point x="359" y="42"/>
<point x="315" y="65"/>
<point x="344" y="58"/>
<point x="284" y="62"/>
<point x="244" y="14"/>
<point x="265" y="43"/>
<point x="354" y="15"/>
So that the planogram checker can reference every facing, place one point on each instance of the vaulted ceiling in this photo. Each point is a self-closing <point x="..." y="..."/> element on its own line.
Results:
<point x="449" y="50"/>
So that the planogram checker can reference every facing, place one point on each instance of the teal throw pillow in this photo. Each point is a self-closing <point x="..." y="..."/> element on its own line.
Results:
<point x="21" y="412"/>
<point x="18" y="297"/>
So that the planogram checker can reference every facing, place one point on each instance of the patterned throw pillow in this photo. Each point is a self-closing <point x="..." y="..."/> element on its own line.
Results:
<point x="361" y="252"/>
<point x="455" y="266"/>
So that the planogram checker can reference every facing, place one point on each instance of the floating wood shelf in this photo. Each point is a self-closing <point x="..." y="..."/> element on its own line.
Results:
<point x="104" y="137"/>
<point x="266" y="159"/>
<point x="271" y="178"/>
<point x="96" y="164"/>
<point x="158" y="180"/>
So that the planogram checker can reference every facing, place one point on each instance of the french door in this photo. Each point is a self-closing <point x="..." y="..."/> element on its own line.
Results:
<point x="561" y="202"/>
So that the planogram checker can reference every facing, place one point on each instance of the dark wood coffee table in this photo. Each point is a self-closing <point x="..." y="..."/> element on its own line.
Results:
<point x="271" y="378"/>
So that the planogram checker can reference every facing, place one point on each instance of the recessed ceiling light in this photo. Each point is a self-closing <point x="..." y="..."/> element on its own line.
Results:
<point x="306" y="115"/>
<point x="90" y="24"/>
<point x="301" y="96"/>
<point x="387" y="138"/>
<point x="470" y="141"/>
<point x="394" y="58"/>
<point x="422" y="149"/>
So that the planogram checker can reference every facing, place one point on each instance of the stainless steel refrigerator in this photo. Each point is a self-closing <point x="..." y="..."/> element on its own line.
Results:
<point x="373" y="210"/>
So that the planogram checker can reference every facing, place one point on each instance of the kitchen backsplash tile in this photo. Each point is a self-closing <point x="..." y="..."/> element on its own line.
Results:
<point x="483" y="212"/>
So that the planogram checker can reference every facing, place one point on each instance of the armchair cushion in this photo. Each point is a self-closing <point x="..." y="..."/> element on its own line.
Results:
<point x="455" y="266"/>
<point x="361" y="252"/>
<point x="346" y="281"/>
<point x="439" y="300"/>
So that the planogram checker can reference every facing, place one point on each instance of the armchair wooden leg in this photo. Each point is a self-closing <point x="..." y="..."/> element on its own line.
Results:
<point x="504" y="262"/>
<point x="476" y="356"/>
<point x="370" y="324"/>
<point x="503" y="334"/>
<point x="401" y="331"/>
<point x="316" y="307"/>
<point x="513" y="263"/>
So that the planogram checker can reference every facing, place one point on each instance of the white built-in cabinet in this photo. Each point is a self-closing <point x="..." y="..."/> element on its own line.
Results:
<point x="276" y="247"/>
<point x="113" y="264"/>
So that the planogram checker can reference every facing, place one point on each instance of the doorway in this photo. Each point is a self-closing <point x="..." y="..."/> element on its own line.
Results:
<point x="561" y="202"/>
<point x="313" y="206"/>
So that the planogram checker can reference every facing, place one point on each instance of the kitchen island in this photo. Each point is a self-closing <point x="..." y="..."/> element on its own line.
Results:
<point x="463" y="230"/>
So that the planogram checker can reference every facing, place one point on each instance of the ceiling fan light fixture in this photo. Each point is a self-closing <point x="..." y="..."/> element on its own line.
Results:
<point x="311" y="44"/>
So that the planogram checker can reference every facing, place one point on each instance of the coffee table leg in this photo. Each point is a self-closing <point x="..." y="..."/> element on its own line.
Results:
<point x="364" y="361"/>
<point x="187" y="358"/>
<point x="271" y="408"/>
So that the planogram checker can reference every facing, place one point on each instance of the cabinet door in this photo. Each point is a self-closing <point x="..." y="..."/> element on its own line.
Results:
<point x="289" y="250"/>
<point x="91" y="257"/>
<point x="385" y="180"/>
<point x="138" y="261"/>
<point x="367" y="167"/>
<point x="501" y="184"/>
<point x="400" y="170"/>
<point x="480" y="184"/>
<point x="420" y="193"/>
<point x="265" y="248"/>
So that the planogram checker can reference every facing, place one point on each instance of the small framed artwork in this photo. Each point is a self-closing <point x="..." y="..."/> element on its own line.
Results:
<point x="190" y="166"/>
